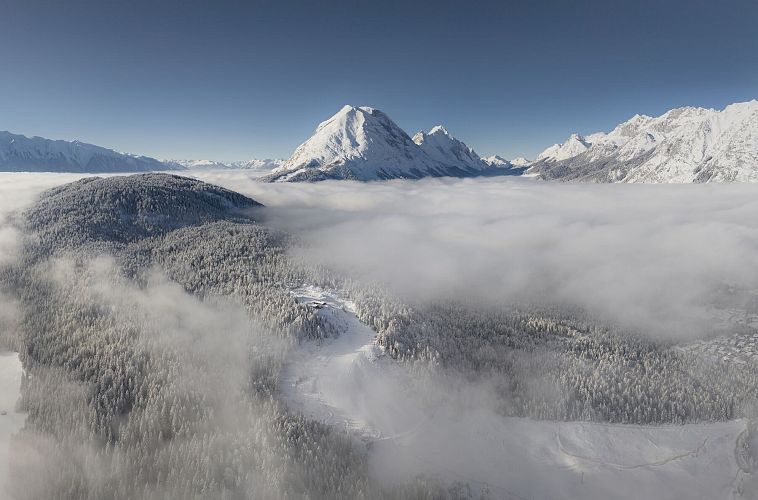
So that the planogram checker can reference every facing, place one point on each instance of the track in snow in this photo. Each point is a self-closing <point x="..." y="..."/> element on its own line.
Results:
<point x="347" y="382"/>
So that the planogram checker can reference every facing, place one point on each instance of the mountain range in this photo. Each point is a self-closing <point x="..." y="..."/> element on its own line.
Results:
<point x="364" y="144"/>
<point x="23" y="154"/>
<point x="259" y="165"/>
<point x="681" y="146"/>
<point x="19" y="153"/>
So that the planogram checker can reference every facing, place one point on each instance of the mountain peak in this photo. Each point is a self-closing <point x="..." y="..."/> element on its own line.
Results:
<point x="507" y="167"/>
<point x="363" y="143"/>
<point x="495" y="158"/>
<point x="437" y="133"/>
<point x="520" y="162"/>
<point x="574" y="145"/>
<point x="686" y="144"/>
<point x="639" y="118"/>
<point x="439" y="129"/>
<point x="359" y="143"/>
<point x="496" y="161"/>
<point x="443" y="147"/>
<point x="348" y="108"/>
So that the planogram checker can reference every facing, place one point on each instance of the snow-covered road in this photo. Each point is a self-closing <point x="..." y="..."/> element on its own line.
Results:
<point x="414" y="429"/>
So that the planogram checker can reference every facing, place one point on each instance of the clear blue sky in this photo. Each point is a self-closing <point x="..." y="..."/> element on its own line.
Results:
<point x="235" y="80"/>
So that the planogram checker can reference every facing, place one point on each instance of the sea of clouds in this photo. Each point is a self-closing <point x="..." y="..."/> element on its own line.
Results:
<point x="662" y="259"/>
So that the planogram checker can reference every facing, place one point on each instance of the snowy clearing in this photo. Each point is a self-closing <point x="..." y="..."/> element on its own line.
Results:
<point x="347" y="382"/>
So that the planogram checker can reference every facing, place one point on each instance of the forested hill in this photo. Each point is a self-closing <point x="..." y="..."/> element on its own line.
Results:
<point x="154" y="319"/>
<point x="122" y="209"/>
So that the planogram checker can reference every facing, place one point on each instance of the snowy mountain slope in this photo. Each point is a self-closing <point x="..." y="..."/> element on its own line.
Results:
<point x="496" y="161"/>
<point x="443" y="147"/>
<point x="510" y="167"/>
<point x="19" y="153"/>
<point x="362" y="143"/>
<point x="197" y="164"/>
<point x="520" y="162"/>
<point x="682" y="145"/>
<point x="573" y="146"/>
<point x="254" y="164"/>
<point x="257" y="164"/>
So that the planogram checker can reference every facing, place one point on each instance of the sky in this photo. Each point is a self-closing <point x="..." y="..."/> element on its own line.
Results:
<point x="230" y="80"/>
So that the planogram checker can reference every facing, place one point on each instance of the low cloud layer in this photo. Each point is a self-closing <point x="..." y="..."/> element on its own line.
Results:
<point x="653" y="257"/>
<point x="650" y="257"/>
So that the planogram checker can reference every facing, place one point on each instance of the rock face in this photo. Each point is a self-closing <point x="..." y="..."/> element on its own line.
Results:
<point x="681" y="146"/>
<point x="362" y="143"/>
<point x="19" y="153"/>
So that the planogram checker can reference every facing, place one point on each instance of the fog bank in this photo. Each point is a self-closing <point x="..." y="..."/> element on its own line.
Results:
<point x="652" y="257"/>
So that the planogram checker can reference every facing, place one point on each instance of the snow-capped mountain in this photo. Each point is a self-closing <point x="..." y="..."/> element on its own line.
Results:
<point x="255" y="164"/>
<point x="496" y="161"/>
<point x="520" y="162"/>
<point x="19" y="153"/>
<point x="574" y="145"/>
<point x="446" y="149"/>
<point x="197" y="164"/>
<point x="507" y="167"/>
<point x="682" y="145"/>
<point x="362" y="143"/>
<point x="499" y="161"/>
